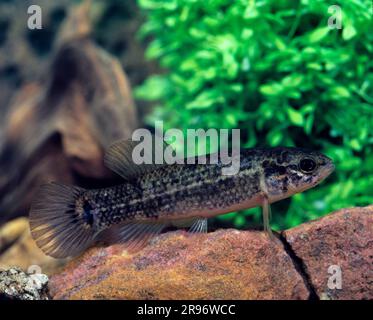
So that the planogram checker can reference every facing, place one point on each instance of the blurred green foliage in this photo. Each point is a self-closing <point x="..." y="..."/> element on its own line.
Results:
<point x="274" y="69"/>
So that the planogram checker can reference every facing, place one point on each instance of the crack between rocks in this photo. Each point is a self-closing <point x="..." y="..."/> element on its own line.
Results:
<point x="300" y="267"/>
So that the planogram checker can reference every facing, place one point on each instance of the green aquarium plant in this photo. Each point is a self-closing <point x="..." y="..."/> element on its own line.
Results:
<point x="276" y="70"/>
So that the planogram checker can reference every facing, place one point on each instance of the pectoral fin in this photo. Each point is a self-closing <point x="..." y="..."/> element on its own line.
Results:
<point x="266" y="211"/>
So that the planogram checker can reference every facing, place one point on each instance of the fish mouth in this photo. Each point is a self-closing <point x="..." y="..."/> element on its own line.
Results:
<point x="327" y="169"/>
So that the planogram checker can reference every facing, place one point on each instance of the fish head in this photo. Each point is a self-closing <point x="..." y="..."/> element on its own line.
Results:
<point x="292" y="170"/>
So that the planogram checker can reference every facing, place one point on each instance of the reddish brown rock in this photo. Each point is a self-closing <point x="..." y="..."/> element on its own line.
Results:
<point x="231" y="264"/>
<point x="342" y="240"/>
<point x="226" y="264"/>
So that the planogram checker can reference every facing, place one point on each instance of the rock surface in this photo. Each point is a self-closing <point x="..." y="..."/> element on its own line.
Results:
<point x="340" y="246"/>
<point x="226" y="264"/>
<point x="17" y="285"/>
<point x="231" y="264"/>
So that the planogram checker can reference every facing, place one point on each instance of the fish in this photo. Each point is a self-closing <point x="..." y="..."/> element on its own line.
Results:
<point x="67" y="220"/>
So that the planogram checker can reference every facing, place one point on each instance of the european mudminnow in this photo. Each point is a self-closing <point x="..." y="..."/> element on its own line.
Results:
<point x="65" y="220"/>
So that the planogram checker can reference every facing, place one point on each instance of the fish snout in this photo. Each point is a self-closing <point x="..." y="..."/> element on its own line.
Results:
<point x="326" y="166"/>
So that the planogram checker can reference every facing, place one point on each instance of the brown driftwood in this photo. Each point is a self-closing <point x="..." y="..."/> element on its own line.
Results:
<point x="58" y="129"/>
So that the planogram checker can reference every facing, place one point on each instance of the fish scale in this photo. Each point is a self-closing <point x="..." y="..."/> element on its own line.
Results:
<point x="153" y="197"/>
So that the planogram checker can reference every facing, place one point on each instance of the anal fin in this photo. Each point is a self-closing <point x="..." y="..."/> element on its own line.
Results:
<point x="132" y="235"/>
<point x="199" y="226"/>
<point x="194" y="225"/>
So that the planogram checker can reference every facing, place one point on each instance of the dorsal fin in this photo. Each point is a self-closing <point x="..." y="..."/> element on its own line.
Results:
<point x="119" y="159"/>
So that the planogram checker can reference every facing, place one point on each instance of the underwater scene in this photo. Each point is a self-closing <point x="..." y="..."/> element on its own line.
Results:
<point x="189" y="150"/>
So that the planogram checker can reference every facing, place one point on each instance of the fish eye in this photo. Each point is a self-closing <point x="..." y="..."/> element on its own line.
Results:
<point x="307" y="165"/>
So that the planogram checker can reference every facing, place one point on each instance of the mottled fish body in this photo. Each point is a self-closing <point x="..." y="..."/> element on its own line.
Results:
<point x="66" y="220"/>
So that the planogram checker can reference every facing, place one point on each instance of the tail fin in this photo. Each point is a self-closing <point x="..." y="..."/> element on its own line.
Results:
<point x="58" y="222"/>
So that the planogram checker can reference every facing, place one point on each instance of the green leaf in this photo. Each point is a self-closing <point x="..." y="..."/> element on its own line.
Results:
<point x="318" y="34"/>
<point x="240" y="220"/>
<point x="341" y="92"/>
<point x="271" y="89"/>
<point x="265" y="67"/>
<point x="205" y="100"/>
<point x="348" y="31"/>
<point x="314" y="66"/>
<point x="355" y="144"/>
<point x="296" y="117"/>
<point x="247" y="33"/>
<point x="231" y="120"/>
<point x="275" y="137"/>
<point x="155" y="50"/>
<point x="280" y="44"/>
<point x="309" y="123"/>
<point x="293" y="80"/>
<point x="154" y="88"/>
